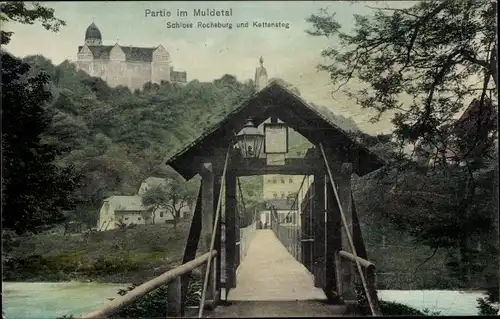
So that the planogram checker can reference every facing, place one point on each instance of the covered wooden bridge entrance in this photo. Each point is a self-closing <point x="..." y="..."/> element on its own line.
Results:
<point x="312" y="270"/>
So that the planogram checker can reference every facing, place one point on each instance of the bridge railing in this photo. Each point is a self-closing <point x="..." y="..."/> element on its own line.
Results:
<point x="246" y="236"/>
<point x="289" y="236"/>
<point x="172" y="278"/>
<point x="351" y="277"/>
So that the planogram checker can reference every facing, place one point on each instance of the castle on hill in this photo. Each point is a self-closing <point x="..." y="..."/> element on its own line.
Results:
<point x="125" y="65"/>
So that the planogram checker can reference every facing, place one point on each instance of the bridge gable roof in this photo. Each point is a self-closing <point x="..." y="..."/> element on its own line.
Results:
<point x="276" y="100"/>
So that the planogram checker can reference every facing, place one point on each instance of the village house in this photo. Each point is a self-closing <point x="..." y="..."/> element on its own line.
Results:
<point x="130" y="210"/>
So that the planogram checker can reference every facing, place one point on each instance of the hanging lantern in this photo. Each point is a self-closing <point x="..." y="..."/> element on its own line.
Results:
<point x="250" y="140"/>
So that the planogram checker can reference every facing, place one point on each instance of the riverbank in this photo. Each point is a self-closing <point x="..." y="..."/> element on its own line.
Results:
<point x="49" y="300"/>
<point x="130" y="255"/>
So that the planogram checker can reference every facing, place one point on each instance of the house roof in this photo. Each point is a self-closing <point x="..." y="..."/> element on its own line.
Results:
<point x="477" y="114"/>
<point x="137" y="54"/>
<point x="126" y="203"/>
<point x="276" y="100"/>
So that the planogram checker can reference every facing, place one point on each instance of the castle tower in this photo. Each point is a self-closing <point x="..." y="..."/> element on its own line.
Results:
<point x="93" y="35"/>
<point x="260" y="76"/>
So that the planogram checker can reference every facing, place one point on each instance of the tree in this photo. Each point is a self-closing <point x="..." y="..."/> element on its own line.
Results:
<point x="422" y="62"/>
<point x="425" y="63"/>
<point x="18" y="11"/>
<point x="35" y="192"/>
<point x="172" y="197"/>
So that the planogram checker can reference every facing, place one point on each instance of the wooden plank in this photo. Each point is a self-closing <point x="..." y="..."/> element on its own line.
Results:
<point x="319" y="251"/>
<point x="207" y="211"/>
<point x="293" y="166"/>
<point x="174" y="298"/>
<point x="231" y="207"/>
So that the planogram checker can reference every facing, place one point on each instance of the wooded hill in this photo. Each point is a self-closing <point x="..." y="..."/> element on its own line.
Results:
<point x="116" y="138"/>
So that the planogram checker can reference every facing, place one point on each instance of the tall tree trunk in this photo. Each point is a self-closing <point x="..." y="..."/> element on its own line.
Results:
<point x="174" y="218"/>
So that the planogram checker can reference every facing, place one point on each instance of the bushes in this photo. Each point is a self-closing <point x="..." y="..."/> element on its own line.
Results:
<point x="153" y="305"/>
<point x="390" y="308"/>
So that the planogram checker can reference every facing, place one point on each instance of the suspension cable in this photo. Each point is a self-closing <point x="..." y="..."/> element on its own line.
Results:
<point x="346" y="228"/>
<point x="214" y="233"/>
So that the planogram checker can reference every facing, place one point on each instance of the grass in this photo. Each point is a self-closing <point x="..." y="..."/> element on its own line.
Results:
<point x="122" y="255"/>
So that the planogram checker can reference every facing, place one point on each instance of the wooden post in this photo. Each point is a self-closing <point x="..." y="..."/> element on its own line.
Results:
<point x="207" y="211"/>
<point x="306" y="227"/>
<point x="231" y="248"/>
<point x="357" y="234"/>
<point x="218" y="240"/>
<point x="370" y="281"/>
<point x="333" y="288"/>
<point x="319" y="251"/>
<point x="174" y="298"/>
<point x="238" y="239"/>
<point x="345" y="195"/>
<point x="192" y="243"/>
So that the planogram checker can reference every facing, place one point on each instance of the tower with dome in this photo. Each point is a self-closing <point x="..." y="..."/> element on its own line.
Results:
<point x="125" y="65"/>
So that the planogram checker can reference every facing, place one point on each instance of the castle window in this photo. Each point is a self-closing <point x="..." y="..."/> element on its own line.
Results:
<point x="274" y="181"/>
<point x="290" y="180"/>
<point x="138" y="218"/>
<point x="282" y="194"/>
<point x="282" y="180"/>
<point x="161" y="214"/>
<point x="275" y="195"/>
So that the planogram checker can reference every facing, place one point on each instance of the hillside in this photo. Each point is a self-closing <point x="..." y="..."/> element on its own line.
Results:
<point x="115" y="138"/>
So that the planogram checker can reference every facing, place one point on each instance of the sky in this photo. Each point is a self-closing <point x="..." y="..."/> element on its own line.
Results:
<point x="208" y="53"/>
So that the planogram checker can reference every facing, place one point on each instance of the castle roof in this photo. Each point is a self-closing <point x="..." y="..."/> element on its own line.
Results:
<point x="136" y="54"/>
<point x="93" y="32"/>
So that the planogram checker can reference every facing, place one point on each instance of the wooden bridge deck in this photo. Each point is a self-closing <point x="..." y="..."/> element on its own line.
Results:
<point x="272" y="283"/>
<point x="269" y="272"/>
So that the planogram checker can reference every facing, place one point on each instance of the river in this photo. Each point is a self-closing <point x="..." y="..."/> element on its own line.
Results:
<point x="50" y="300"/>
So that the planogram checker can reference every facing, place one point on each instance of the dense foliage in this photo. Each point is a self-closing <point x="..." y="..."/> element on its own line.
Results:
<point x="423" y="62"/>
<point x="116" y="138"/>
<point x="423" y="65"/>
<point x="35" y="192"/>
